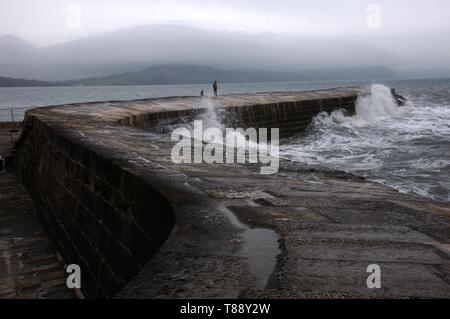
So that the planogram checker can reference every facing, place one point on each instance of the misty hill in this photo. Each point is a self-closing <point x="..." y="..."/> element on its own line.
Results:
<point x="194" y="74"/>
<point x="190" y="74"/>
<point x="134" y="49"/>
<point x="15" y="50"/>
<point x="10" y="82"/>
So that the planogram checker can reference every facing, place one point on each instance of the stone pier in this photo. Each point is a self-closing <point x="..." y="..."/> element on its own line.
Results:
<point x="139" y="225"/>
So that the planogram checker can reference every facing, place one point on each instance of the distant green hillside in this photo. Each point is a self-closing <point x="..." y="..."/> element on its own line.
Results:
<point x="10" y="82"/>
<point x="189" y="74"/>
<point x="193" y="74"/>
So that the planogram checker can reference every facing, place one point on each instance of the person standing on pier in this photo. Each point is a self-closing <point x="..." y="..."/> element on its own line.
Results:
<point x="215" y="88"/>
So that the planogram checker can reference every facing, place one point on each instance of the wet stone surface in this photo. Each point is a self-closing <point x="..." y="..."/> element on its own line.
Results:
<point x="330" y="225"/>
<point x="29" y="267"/>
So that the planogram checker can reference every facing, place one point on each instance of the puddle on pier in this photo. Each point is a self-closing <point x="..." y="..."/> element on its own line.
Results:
<point x="260" y="246"/>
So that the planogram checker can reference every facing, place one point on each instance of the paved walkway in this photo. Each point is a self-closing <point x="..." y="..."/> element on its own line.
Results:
<point x="29" y="267"/>
<point x="331" y="227"/>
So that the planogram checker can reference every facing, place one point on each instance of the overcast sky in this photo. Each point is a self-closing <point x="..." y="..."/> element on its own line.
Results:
<point x="47" y="22"/>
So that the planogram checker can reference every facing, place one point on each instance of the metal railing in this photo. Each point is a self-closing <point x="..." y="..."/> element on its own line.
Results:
<point x="11" y="111"/>
<point x="14" y="129"/>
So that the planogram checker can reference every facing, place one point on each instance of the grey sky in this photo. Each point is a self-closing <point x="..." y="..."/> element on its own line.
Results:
<point x="45" y="22"/>
<point x="410" y="37"/>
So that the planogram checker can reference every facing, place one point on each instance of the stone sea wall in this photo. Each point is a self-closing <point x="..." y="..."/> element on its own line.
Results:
<point x="289" y="117"/>
<point x="98" y="209"/>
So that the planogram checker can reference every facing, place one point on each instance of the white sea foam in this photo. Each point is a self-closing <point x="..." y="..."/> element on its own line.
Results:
<point x="214" y="116"/>
<point x="405" y="147"/>
<point x="377" y="105"/>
